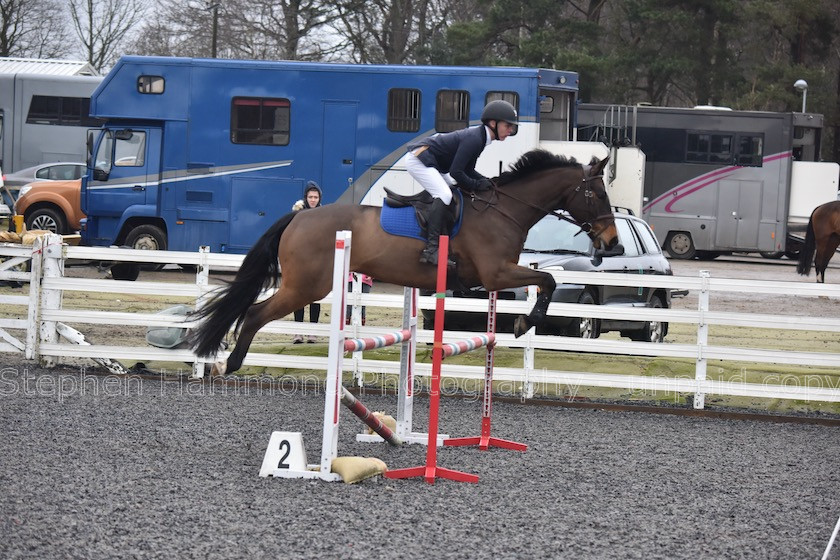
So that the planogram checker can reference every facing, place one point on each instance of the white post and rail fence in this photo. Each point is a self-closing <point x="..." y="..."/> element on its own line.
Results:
<point x="34" y="325"/>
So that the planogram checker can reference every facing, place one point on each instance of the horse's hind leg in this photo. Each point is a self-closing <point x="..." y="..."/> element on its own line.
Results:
<point x="276" y="307"/>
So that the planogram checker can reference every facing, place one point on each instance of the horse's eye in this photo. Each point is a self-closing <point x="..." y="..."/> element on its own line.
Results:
<point x="602" y="194"/>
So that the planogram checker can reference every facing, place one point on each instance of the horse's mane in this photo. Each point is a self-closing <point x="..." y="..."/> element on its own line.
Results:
<point x="533" y="161"/>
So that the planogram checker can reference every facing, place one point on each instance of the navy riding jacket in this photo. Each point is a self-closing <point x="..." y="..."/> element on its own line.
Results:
<point x="455" y="153"/>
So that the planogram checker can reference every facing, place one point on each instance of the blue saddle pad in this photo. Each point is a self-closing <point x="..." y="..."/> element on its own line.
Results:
<point x="403" y="221"/>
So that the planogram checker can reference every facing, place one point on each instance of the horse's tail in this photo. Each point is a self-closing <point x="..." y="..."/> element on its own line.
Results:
<point x="260" y="270"/>
<point x="806" y="255"/>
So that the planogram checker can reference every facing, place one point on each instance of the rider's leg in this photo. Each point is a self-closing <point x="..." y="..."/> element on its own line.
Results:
<point x="438" y="186"/>
<point x="436" y="226"/>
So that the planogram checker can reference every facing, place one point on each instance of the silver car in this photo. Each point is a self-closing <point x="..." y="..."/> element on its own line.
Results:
<point x="58" y="171"/>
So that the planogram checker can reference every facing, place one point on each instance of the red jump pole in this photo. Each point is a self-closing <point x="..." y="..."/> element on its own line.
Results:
<point x="485" y="440"/>
<point x="431" y="470"/>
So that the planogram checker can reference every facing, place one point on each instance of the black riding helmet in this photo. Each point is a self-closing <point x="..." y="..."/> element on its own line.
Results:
<point x="499" y="111"/>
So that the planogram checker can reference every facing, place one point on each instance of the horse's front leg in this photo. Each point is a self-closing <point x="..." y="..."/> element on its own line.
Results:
<point x="537" y="315"/>
<point x="515" y="276"/>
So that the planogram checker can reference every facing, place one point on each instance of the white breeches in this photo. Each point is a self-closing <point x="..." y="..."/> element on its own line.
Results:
<point x="436" y="183"/>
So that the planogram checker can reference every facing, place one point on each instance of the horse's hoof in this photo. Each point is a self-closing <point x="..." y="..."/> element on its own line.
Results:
<point x="218" y="369"/>
<point x="520" y="326"/>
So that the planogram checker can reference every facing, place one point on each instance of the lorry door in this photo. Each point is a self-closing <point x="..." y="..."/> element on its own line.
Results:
<point x="131" y="180"/>
<point x="738" y="213"/>
<point x="338" y="156"/>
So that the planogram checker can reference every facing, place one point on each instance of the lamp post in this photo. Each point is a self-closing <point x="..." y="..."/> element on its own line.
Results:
<point x="802" y="85"/>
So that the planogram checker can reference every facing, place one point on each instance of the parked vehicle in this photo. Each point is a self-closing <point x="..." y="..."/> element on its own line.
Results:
<point x="717" y="180"/>
<point x="211" y="152"/>
<point x="554" y="244"/>
<point x="6" y="200"/>
<point x="56" y="171"/>
<point x="44" y="117"/>
<point x="51" y="205"/>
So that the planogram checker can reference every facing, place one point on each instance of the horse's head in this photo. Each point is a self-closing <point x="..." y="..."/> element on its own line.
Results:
<point x="590" y="206"/>
<point x="547" y="182"/>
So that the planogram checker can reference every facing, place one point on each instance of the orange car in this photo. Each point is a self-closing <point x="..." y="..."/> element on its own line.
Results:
<point x="51" y="205"/>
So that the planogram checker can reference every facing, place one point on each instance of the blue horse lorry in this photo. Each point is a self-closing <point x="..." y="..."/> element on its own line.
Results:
<point x="209" y="152"/>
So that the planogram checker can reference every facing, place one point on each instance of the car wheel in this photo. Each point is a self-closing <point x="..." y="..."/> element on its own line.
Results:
<point x="653" y="331"/>
<point x="680" y="245"/>
<point x="48" y="219"/>
<point x="147" y="237"/>
<point x="585" y="327"/>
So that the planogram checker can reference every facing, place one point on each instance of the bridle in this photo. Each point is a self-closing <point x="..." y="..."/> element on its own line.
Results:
<point x="583" y="187"/>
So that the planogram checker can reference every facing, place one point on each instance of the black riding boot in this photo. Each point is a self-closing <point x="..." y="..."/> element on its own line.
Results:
<point x="436" y="226"/>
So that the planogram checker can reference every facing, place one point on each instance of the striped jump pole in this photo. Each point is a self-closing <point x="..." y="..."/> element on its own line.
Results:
<point x="356" y="407"/>
<point x="430" y="471"/>
<point x="485" y="440"/>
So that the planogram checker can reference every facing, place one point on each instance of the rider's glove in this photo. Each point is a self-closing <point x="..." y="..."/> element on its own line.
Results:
<point x="483" y="185"/>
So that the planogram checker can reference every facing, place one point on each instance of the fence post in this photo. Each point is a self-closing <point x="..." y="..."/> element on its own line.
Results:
<point x="33" y="310"/>
<point x="702" y="340"/>
<point x="528" y="353"/>
<point x="202" y="280"/>
<point x="50" y="251"/>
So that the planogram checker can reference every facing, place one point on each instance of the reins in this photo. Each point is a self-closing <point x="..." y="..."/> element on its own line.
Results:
<point x="585" y="227"/>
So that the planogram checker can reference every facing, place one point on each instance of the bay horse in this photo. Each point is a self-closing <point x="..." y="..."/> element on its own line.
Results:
<point x="822" y="237"/>
<point x="495" y="224"/>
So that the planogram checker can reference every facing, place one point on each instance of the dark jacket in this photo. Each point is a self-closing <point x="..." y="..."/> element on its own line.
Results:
<point x="455" y="153"/>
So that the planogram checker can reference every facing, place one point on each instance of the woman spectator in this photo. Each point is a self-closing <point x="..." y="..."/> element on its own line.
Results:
<point x="311" y="199"/>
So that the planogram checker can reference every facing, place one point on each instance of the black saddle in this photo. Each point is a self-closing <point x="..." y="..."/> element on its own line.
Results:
<point x="422" y="203"/>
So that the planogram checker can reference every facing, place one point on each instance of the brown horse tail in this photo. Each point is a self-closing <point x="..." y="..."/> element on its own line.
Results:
<point x="260" y="270"/>
<point x="806" y="255"/>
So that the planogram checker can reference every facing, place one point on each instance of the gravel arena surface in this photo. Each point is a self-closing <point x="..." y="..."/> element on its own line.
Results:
<point x="107" y="467"/>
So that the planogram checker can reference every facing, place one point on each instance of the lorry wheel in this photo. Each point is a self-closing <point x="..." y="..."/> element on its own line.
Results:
<point x="772" y="254"/>
<point x="793" y="254"/>
<point x="147" y="237"/>
<point x="49" y="219"/>
<point x="680" y="245"/>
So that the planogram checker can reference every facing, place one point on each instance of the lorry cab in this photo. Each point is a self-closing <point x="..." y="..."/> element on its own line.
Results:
<point x="125" y="181"/>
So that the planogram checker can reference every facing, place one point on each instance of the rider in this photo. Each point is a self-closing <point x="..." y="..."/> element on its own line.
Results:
<point x="440" y="161"/>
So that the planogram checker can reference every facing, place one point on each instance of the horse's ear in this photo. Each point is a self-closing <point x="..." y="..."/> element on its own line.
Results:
<point x="598" y="168"/>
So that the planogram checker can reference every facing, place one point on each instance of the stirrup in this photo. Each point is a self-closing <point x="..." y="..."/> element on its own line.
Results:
<point x="430" y="256"/>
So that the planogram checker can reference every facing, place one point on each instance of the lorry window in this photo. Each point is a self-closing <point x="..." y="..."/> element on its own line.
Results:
<point x="150" y="84"/>
<point x="510" y="96"/>
<point x="130" y="152"/>
<point x="452" y="111"/>
<point x="750" y="150"/>
<point x="62" y="111"/>
<point x="103" y="159"/>
<point x="404" y="110"/>
<point x="126" y="148"/>
<point x="705" y="147"/>
<point x="260" y="121"/>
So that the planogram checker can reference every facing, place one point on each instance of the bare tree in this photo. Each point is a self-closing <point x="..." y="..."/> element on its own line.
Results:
<point x="33" y="28"/>
<point x="249" y="29"/>
<point x="178" y="28"/>
<point x="103" y="25"/>
<point x="284" y="29"/>
<point x="390" y="31"/>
